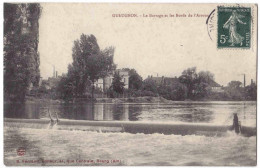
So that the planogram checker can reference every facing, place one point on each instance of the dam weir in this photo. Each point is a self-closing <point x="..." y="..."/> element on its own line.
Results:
<point x="129" y="127"/>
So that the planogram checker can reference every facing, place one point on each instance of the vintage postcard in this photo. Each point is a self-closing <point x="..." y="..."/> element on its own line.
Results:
<point x="125" y="84"/>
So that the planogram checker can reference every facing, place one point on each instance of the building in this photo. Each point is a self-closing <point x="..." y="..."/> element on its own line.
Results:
<point x="54" y="81"/>
<point x="106" y="82"/>
<point x="165" y="81"/>
<point x="51" y="82"/>
<point x="125" y="77"/>
<point x="99" y="84"/>
<point x="215" y="87"/>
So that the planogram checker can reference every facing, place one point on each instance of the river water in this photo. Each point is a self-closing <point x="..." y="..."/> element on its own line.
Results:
<point x="66" y="147"/>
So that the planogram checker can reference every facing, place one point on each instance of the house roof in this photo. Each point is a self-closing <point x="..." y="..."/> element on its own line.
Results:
<point x="122" y="72"/>
<point x="170" y="81"/>
<point x="212" y="83"/>
<point x="164" y="80"/>
<point x="175" y="80"/>
<point x="158" y="80"/>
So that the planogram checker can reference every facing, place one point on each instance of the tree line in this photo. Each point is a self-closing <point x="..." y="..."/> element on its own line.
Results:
<point x="91" y="63"/>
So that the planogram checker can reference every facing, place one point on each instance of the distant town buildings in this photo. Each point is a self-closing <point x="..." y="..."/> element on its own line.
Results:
<point x="105" y="83"/>
<point x="166" y="81"/>
<point x="169" y="81"/>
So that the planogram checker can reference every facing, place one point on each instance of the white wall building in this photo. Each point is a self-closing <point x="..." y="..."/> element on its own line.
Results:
<point x="105" y="83"/>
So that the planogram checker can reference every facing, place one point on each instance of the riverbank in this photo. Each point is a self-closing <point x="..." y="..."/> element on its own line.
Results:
<point x="146" y="99"/>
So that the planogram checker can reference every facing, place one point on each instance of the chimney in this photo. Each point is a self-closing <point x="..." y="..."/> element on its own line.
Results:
<point x="53" y="71"/>
<point x="163" y="79"/>
<point x="252" y="82"/>
<point x="56" y="74"/>
<point x="244" y="80"/>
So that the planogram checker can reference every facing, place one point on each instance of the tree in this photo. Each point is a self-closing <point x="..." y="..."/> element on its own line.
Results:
<point x="251" y="92"/>
<point x="150" y="85"/>
<point x="117" y="84"/>
<point x="202" y="84"/>
<point x="235" y="91"/>
<point x="200" y="90"/>
<point x="21" y="57"/>
<point x="75" y="75"/>
<point x="135" y="80"/>
<point x="188" y="78"/>
<point x="234" y="84"/>
<point x="66" y="88"/>
<point x="205" y="76"/>
<point x="197" y="84"/>
<point x="90" y="62"/>
<point x="179" y="92"/>
<point x="172" y="90"/>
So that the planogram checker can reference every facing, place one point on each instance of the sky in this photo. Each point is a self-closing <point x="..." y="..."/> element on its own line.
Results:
<point x="153" y="46"/>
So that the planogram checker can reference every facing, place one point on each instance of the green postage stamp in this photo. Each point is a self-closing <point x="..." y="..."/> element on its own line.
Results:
<point x="234" y="27"/>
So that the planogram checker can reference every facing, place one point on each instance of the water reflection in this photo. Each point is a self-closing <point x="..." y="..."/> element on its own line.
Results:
<point x="195" y="115"/>
<point x="89" y="111"/>
<point x="19" y="110"/>
<point x="196" y="112"/>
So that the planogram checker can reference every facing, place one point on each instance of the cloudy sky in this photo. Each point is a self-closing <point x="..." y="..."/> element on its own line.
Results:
<point x="151" y="45"/>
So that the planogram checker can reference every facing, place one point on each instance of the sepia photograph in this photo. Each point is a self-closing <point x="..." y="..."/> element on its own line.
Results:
<point x="129" y="84"/>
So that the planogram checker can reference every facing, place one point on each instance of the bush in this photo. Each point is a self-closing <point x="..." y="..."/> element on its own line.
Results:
<point x="139" y="93"/>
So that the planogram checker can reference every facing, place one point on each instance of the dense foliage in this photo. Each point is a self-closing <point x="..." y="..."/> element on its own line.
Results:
<point x="117" y="84"/>
<point x="21" y="57"/>
<point x="197" y="84"/>
<point x="89" y="64"/>
<point x="135" y="80"/>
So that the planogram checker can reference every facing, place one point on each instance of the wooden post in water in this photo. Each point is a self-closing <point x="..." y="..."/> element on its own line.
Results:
<point x="236" y="124"/>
